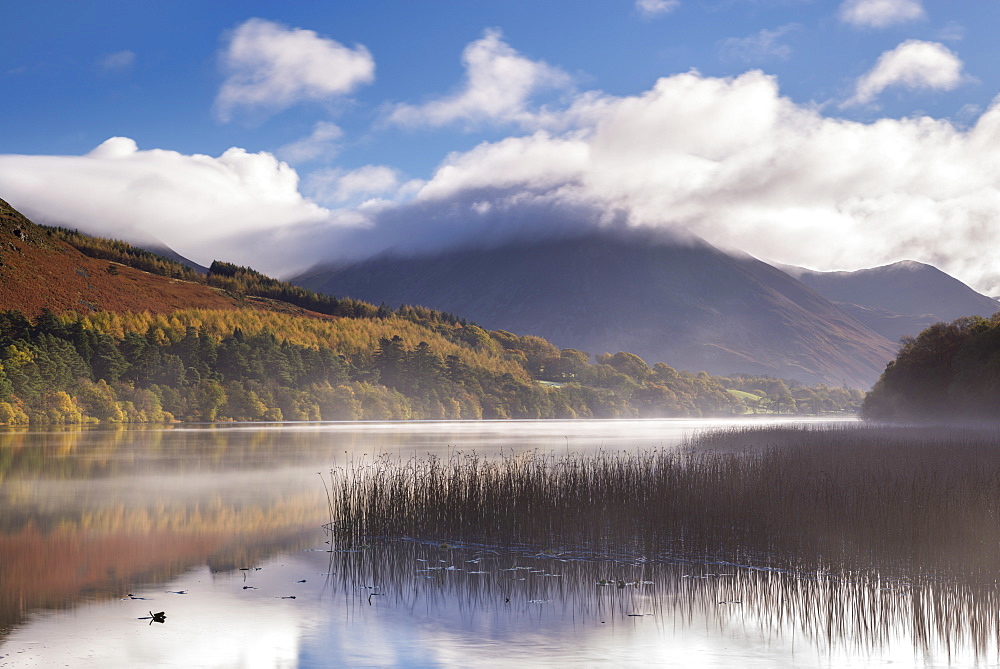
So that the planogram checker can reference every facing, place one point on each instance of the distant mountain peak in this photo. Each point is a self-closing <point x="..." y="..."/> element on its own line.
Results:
<point x="899" y="299"/>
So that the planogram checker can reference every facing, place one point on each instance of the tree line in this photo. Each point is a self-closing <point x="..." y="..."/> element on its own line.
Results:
<point x="950" y="371"/>
<point x="249" y="365"/>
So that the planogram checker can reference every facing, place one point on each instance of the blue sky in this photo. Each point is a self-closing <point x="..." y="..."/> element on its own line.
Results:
<point x="832" y="134"/>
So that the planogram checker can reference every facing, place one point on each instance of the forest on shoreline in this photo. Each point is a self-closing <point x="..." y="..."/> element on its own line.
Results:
<point x="949" y="372"/>
<point x="256" y="365"/>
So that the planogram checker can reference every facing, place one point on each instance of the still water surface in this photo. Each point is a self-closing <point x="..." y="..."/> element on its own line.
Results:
<point x="220" y="527"/>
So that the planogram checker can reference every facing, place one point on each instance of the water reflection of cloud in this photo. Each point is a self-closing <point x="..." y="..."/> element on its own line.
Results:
<point x="212" y="626"/>
<point x="460" y="619"/>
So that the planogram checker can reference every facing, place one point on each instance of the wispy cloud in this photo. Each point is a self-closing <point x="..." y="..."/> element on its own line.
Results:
<point x="759" y="47"/>
<point x="499" y="83"/>
<point x="119" y="61"/>
<point x="915" y="65"/>
<point x="953" y="31"/>
<point x="653" y="8"/>
<point x="880" y="13"/>
<point x="321" y="143"/>
<point x="272" y="67"/>
<point x="336" y="187"/>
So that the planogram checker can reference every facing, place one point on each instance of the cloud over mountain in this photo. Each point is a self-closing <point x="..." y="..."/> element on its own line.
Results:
<point x="728" y="159"/>
<point x="236" y="205"/>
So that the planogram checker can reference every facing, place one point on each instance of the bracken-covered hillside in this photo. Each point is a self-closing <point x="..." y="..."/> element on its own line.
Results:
<point x="38" y="270"/>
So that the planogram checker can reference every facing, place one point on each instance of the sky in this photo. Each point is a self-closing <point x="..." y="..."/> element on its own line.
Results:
<point x="831" y="134"/>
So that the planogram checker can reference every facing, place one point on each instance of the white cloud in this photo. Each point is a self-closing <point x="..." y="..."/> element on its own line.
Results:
<point x="652" y="8"/>
<point x="337" y="186"/>
<point x="760" y="46"/>
<point x="729" y="160"/>
<point x="119" y="61"/>
<point x="321" y="143"/>
<point x="880" y="13"/>
<point x="235" y="206"/>
<point x="915" y="65"/>
<point x="499" y="84"/>
<point x="271" y="67"/>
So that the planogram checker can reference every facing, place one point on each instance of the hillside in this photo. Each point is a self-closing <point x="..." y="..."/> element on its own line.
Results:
<point x="38" y="270"/>
<point x="139" y="346"/>
<point x="900" y="299"/>
<point x="688" y="305"/>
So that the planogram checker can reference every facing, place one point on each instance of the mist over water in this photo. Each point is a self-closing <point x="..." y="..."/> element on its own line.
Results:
<point x="102" y="527"/>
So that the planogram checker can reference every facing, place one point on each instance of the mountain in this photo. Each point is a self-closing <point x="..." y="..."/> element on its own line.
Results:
<point x="95" y="329"/>
<point x="165" y="251"/>
<point x="40" y="270"/>
<point x="900" y="299"/>
<point x="687" y="304"/>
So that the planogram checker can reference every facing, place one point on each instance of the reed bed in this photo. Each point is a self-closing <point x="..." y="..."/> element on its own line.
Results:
<point x="855" y="497"/>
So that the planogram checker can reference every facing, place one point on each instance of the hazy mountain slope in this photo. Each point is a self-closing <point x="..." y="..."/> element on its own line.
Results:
<point x="690" y="306"/>
<point x="898" y="299"/>
<point x="161" y="249"/>
<point x="38" y="270"/>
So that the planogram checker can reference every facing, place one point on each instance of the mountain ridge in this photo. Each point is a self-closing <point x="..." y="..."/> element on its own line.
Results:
<point x="900" y="299"/>
<point x="689" y="305"/>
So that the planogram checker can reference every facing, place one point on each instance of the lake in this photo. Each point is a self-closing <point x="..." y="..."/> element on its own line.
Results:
<point x="220" y="527"/>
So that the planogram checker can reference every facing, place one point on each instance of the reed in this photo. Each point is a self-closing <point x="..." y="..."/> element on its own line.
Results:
<point x="854" y="497"/>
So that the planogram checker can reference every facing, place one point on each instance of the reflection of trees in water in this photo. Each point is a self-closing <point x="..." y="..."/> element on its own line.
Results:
<point x="84" y="452"/>
<point x="853" y="613"/>
<point x="106" y="556"/>
<point x="70" y="536"/>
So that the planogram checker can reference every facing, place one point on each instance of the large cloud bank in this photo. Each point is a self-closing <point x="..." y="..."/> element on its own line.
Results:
<point x="235" y="206"/>
<point x="733" y="161"/>
<point x="728" y="159"/>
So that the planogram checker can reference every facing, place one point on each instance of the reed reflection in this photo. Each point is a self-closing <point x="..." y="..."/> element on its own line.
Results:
<point x="484" y="590"/>
<point x="857" y="537"/>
